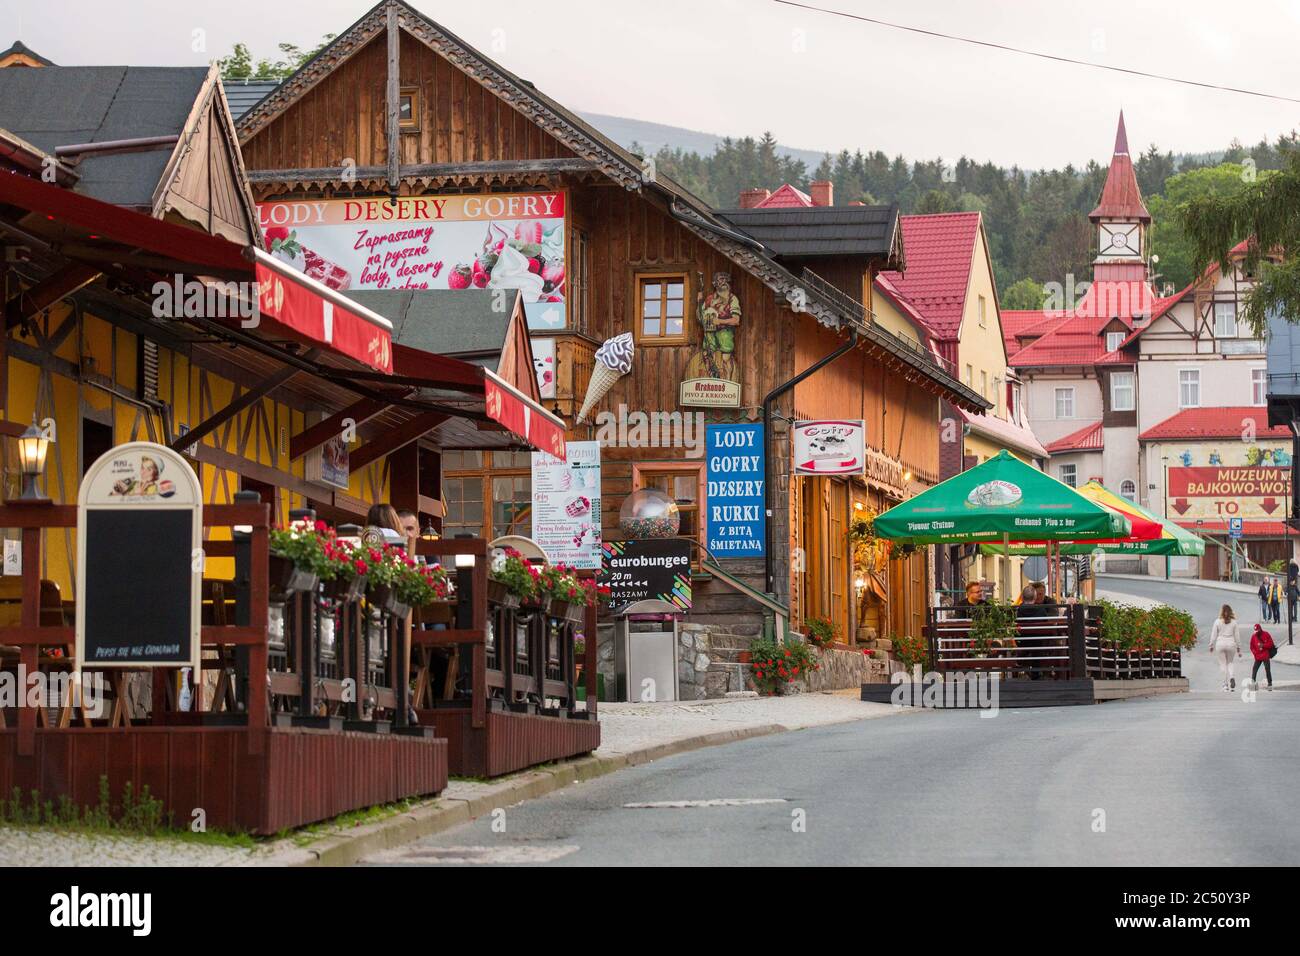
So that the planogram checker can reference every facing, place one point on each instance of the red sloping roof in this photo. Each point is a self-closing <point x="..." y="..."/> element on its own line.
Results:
<point x="1008" y="434"/>
<point x="940" y="250"/>
<point x="1120" y="196"/>
<point x="1250" y="527"/>
<point x="1087" y="438"/>
<point x="1215" y="423"/>
<point x="786" y="197"/>
<point x="1075" y="337"/>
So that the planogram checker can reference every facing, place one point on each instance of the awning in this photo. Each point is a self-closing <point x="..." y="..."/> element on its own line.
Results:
<point x="144" y="251"/>
<point x="117" y="240"/>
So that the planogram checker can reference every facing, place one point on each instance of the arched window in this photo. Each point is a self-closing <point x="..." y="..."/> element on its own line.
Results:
<point x="1129" y="489"/>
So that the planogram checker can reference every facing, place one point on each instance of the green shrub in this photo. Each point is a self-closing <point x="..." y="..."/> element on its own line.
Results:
<point x="773" y="664"/>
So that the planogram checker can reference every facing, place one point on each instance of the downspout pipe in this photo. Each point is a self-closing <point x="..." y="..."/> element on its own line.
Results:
<point x="768" y="470"/>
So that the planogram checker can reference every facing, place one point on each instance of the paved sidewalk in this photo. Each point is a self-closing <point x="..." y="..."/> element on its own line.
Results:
<point x="630" y="734"/>
<point x="1102" y="578"/>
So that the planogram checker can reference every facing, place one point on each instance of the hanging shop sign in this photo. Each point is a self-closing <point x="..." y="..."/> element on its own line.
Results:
<point x="645" y="569"/>
<point x="140" y="559"/>
<point x="886" y="473"/>
<point x="711" y="379"/>
<point x="329" y="464"/>
<point x="566" y="505"/>
<point x="483" y="241"/>
<point x="829" y="447"/>
<point x="734" y="473"/>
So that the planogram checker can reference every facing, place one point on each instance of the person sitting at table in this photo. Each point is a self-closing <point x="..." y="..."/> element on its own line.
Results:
<point x="1030" y="603"/>
<point x="1051" y="607"/>
<point x="383" y="523"/>
<point x="974" y="597"/>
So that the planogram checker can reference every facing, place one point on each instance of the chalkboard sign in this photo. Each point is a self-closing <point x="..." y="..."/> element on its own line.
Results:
<point x="642" y="569"/>
<point x="139" y="534"/>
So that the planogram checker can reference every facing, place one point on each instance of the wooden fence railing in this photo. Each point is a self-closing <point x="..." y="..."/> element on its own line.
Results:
<point x="1062" y="643"/>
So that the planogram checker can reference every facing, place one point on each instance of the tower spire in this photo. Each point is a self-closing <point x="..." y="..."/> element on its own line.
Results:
<point x="1120" y="196"/>
<point x="1121" y="137"/>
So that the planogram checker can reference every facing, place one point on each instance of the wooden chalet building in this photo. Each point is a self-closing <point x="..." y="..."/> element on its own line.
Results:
<point x="401" y="118"/>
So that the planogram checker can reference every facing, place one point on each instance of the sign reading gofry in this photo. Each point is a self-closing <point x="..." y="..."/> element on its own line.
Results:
<point x="829" y="448"/>
<point x="139" y="558"/>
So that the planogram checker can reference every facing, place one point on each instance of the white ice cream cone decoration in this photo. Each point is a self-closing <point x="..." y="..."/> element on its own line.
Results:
<point x="613" y="361"/>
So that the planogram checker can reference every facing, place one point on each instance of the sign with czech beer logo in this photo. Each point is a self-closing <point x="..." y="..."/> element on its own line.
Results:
<point x="829" y="447"/>
<point x="139" y="559"/>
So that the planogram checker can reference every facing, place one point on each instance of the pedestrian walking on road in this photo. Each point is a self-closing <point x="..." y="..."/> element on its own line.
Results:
<point x="1225" y="646"/>
<point x="1275" y="599"/>
<point x="1292" y="596"/>
<point x="1262" y="649"/>
<point x="1263" y="599"/>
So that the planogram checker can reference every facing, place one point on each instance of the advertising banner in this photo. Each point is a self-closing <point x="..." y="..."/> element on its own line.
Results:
<point x="485" y="241"/>
<point x="1229" y="491"/>
<point x="566" y="505"/>
<point x="829" y="448"/>
<point x="734" y="491"/>
<point x="642" y="569"/>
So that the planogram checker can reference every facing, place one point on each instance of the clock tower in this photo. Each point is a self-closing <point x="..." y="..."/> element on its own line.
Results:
<point x="1121" y="220"/>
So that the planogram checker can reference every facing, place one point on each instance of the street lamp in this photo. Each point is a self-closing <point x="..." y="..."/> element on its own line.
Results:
<point x="1165" y="460"/>
<point x="33" y="445"/>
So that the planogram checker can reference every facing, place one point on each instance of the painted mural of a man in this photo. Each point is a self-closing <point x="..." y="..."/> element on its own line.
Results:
<point x="719" y="317"/>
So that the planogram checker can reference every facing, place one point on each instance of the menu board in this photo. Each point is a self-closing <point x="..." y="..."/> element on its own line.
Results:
<point x="139" y="559"/>
<point x="566" y="505"/>
<point x="734" y="476"/>
<point x="478" y="241"/>
<point x="647" y="569"/>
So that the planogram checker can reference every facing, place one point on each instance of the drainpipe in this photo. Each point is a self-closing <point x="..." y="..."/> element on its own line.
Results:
<point x="768" y="401"/>
<point x="707" y="226"/>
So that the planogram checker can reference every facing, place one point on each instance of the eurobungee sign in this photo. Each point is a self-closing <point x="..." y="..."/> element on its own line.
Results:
<point x="734" y="476"/>
<point x="139" y="560"/>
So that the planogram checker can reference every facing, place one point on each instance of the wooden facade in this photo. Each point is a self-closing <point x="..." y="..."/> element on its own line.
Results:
<point x="477" y="128"/>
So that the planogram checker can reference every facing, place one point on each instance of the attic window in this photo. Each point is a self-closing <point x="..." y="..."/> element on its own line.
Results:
<point x="1114" y="340"/>
<point x="408" y="108"/>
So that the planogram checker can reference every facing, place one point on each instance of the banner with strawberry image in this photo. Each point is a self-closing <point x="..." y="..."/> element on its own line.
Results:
<point x="508" y="241"/>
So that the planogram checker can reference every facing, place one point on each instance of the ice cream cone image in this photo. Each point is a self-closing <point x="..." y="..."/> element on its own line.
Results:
<point x="613" y="361"/>
<point x="602" y="380"/>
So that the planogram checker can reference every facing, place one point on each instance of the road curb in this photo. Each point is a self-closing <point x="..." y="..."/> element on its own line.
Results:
<point x="345" y="849"/>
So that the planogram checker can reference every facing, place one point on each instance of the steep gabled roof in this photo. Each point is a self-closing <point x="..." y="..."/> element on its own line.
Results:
<point x="1229" y="422"/>
<point x="787" y="197"/>
<point x="23" y="55"/>
<point x="940" y="251"/>
<point x="619" y="164"/>
<point x="1087" y="438"/>
<point x="1120" y="196"/>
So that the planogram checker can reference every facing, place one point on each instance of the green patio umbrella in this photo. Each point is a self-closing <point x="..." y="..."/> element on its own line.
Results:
<point x="1172" y="539"/>
<point x="1001" y="500"/>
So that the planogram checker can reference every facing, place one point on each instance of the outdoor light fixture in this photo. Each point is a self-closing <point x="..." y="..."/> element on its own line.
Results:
<point x="907" y="476"/>
<point x="245" y="498"/>
<point x="429" y="532"/>
<point x="464" y="588"/>
<point x="33" y="445"/>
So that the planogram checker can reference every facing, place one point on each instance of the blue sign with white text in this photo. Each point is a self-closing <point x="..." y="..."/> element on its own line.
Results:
<point x="734" y="472"/>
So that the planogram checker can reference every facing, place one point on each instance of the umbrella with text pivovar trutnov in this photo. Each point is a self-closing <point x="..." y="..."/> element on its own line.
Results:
<point x="1002" y="499"/>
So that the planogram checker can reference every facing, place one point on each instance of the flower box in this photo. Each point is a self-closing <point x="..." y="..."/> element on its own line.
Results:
<point x="286" y="577"/>
<point x="345" y="590"/>
<point x="498" y="593"/>
<point x="567" y="611"/>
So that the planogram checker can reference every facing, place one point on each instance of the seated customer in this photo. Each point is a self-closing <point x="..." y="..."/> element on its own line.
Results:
<point x="974" y="596"/>
<point x="1050" y="604"/>
<point x="1030" y="604"/>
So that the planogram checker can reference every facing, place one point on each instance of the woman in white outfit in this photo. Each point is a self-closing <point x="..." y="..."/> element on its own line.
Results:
<point x="1225" y="646"/>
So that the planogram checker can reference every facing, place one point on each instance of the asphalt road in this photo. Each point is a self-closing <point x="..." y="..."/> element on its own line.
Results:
<point x="1204" y="778"/>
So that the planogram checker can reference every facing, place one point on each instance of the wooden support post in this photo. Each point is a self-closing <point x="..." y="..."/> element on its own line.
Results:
<point x="1078" y="658"/>
<point x="259" y="594"/>
<point x="29" y="656"/>
<point x="394" y="99"/>
<point x="478" y="706"/>
<point x="589" y="658"/>
<point x="250" y="397"/>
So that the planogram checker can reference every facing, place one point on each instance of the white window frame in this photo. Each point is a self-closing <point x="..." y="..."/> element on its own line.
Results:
<point x="1189" y="371"/>
<point x="984" y="319"/>
<point x="1115" y="406"/>
<point x="1259" y="386"/>
<point x="1130" y="496"/>
<point x="1225" y="332"/>
<point x="1060" y="392"/>
<point x="1117" y="338"/>
<point x="1073" y="479"/>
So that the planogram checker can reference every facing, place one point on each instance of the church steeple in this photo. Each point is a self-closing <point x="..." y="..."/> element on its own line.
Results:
<point x="1120" y="197"/>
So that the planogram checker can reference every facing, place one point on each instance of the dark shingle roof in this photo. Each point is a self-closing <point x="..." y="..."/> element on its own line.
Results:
<point x="22" y="49"/>
<point x="66" y="105"/>
<point x="243" y="94"/>
<point x="819" y="230"/>
<point x="460" y="322"/>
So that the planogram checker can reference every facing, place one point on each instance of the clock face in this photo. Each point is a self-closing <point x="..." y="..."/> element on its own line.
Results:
<point x="1119" y="240"/>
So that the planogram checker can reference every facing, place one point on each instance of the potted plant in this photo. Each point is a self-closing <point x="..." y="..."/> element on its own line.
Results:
<point x="511" y="579"/>
<point x="780" y="668"/>
<point x="820" y="631"/>
<point x="992" y="628"/>
<point x="344" y="573"/>
<point x="419" y="585"/>
<point x="563" y="591"/>
<point x="297" y="557"/>
<point x="382" y="570"/>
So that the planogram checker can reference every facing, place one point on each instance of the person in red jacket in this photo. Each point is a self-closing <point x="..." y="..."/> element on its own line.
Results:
<point x="1261" y="646"/>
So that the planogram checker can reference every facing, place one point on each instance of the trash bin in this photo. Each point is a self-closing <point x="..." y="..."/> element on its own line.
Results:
<point x="645" y="656"/>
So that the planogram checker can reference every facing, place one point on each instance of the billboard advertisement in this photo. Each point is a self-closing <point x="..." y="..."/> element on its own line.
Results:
<point x="481" y="241"/>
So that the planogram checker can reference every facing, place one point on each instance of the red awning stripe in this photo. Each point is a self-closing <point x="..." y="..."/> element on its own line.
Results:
<point x="520" y="414"/>
<point x="316" y="312"/>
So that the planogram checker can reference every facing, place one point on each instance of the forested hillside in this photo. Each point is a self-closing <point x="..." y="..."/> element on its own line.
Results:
<point x="1036" y="220"/>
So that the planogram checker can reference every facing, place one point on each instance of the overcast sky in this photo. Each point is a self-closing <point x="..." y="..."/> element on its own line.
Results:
<point x="816" y="81"/>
